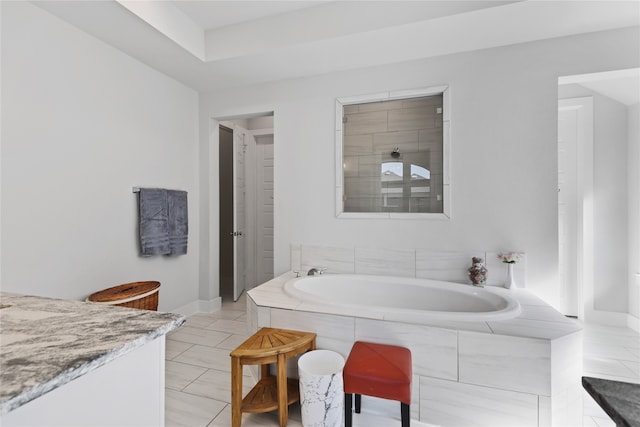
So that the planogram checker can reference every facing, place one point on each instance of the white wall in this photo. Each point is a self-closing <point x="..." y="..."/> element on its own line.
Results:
<point x="633" y="122"/>
<point x="82" y="123"/>
<point x="610" y="205"/>
<point x="504" y="149"/>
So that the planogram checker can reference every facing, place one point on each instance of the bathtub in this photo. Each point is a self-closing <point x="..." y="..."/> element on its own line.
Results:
<point x="405" y="298"/>
<point x="496" y="371"/>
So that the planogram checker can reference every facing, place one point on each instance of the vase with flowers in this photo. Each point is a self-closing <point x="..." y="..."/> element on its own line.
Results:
<point x="510" y="258"/>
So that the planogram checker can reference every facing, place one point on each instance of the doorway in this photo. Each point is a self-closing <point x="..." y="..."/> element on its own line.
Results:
<point x="595" y="193"/>
<point x="245" y="203"/>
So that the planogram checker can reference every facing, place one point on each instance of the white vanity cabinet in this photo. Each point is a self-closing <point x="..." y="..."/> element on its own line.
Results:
<point x="67" y="363"/>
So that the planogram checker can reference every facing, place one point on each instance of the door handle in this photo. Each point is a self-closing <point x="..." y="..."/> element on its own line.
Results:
<point x="235" y="233"/>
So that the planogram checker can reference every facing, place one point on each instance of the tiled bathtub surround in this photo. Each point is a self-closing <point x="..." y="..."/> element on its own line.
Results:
<point x="524" y="371"/>
<point x="198" y="395"/>
<point x="425" y="264"/>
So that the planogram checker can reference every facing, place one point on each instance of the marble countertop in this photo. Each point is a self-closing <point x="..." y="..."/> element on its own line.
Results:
<point x="621" y="401"/>
<point x="537" y="318"/>
<point x="45" y="343"/>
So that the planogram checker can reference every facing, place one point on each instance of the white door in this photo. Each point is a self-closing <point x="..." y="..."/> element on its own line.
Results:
<point x="239" y="212"/>
<point x="575" y="204"/>
<point x="264" y="205"/>
<point x="567" y="208"/>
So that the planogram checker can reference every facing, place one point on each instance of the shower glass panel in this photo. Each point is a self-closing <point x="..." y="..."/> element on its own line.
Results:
<point x="393" y="156"/>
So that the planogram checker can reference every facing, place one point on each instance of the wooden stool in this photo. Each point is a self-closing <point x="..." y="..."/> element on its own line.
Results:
<point x="377" y="370"/>
<point x="267" y="346"/>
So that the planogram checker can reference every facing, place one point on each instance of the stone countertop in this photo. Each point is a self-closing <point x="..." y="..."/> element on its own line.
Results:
<point x="537" y="319"/>
<point x="621" y="401"/>
<point x="45" y="343"/>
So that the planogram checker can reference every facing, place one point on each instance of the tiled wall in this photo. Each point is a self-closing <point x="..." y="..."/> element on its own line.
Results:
<point x="460" y="377"/>
<point x="372" y="131"/>
<point x="426" y="264"/>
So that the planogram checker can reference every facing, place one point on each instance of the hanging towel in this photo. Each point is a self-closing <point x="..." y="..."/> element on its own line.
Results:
<point x="154" y="224"/>
<point x="178" y="221"/>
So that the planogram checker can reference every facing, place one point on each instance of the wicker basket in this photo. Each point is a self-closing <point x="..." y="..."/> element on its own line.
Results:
<point x="142" y="295"/>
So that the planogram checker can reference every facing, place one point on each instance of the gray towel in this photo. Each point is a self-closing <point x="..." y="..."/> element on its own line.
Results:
<point x="154" y="224"/>
<point x="178" y="221"/>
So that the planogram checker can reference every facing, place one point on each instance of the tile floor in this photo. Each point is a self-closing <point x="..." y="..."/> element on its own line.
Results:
<point x="613" y="354"/>
<point x="198" y="391"/>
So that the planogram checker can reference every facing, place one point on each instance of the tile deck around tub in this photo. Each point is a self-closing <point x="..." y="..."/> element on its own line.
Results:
<point x="609" y="352"/>
<point x="537" y="319"/>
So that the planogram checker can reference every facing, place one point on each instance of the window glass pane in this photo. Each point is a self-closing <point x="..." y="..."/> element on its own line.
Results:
<point x="393" y="156"/>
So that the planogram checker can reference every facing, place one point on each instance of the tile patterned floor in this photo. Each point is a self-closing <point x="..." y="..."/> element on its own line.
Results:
<point x="613" y="354"/>
<point x="198" y="391"/>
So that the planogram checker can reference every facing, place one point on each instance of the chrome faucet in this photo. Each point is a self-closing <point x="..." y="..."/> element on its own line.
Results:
<point x="316" y="271"/>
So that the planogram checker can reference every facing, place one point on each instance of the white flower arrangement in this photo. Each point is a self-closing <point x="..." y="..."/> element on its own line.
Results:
<point x="510" y="257"/>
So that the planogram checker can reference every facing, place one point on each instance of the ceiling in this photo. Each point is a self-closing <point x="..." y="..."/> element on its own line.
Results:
<point x="210" y="15"/>
<point x="214" y="44"/>
<point x="623" y="89"/>
<point x="621" y="85"/>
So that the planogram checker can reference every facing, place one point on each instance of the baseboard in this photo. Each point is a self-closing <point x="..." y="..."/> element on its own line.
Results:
<point x="211" y="305"/>
<point x="199" y="306"/>
<point x="633" y="323"/>
<point x="612" y="318"/>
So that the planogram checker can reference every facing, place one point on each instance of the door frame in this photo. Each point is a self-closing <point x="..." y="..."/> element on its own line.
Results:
<point x="209" y="193"/>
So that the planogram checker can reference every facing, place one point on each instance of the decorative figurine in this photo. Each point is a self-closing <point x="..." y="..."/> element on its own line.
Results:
<point x="477" y="272"/>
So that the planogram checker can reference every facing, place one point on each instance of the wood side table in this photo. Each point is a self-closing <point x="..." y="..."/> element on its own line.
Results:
<point x="266" y="346"/>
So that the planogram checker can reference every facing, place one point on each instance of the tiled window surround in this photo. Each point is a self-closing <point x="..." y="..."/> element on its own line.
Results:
<point x="524" y="371"/>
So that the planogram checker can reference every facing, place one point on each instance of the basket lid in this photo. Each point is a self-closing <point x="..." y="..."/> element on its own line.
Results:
<point x="124" y="292"/>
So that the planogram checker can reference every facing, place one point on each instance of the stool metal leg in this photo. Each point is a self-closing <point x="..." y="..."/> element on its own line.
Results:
<point x="405" y="414"/>
<point x="348" y="413"/>
<point x="358" y="403"/>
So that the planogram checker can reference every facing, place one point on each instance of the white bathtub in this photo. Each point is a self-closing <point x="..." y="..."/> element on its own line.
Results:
<point x="405" y="298"/>
<point x="460" y="368"/>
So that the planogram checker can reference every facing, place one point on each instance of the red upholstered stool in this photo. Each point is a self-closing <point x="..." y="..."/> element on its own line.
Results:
<point x="377" y="370"/>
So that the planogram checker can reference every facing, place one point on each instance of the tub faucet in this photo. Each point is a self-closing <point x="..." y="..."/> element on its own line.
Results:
<point x="316" y="271"/>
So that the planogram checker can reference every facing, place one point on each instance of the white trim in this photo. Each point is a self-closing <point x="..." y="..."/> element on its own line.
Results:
<point x="210" y="306"/>
<point x="615" y="319"/>
<point x="199" y="306"/>
<point x="414" y="93"/>
<point x="187" y="309"/>
<point x="633" y="322"/>
<point x="605" y="75"/>
<point x="446" y="147"/>
<point x="212" y="198"/>
<point x="347" y="100"/>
